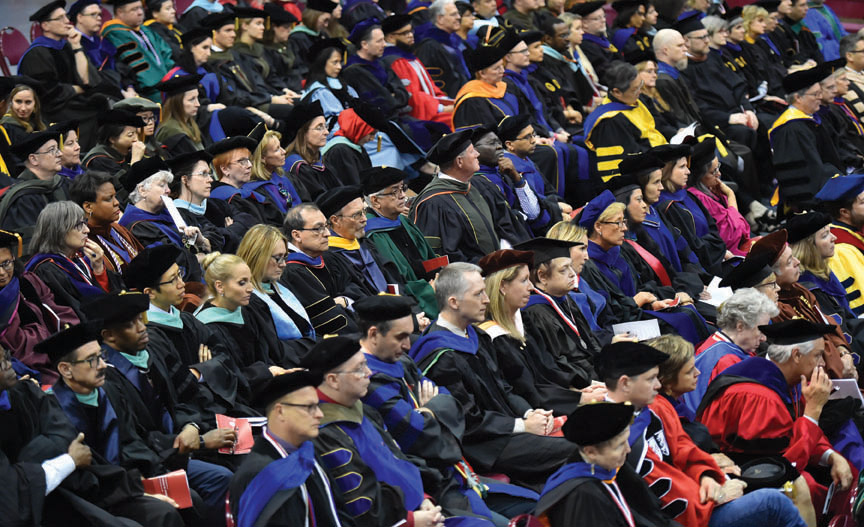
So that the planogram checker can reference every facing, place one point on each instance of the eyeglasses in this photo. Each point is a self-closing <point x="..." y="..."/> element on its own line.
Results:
<point x="148" y="120"/>
<point x="522" y="51"/>
<point x="621" y="224"/>
<point x="54" y="151"/>
<point x="401" y="190"/>
<point x="308" y="408"/>
<point x="64" y="16"/>
<point x="527" y="137"/>
<point x="715" y="171"/>
<point x="769" y="285"/>
<point x="177" y="280"/>
<point x="321" y="229"/>
<point x="817" y="93"/>
<point x="856" y="51"/>
<point x="7" y="265"/>
<point x="206" y="174"/>
<point x="93" y="361"/>
<point x="320" y="128"/>
<point x="279" y="259"/>
<point x="80" y="225"/>
<point x="701" y="37"/>
<point x="361" y="370"/>
<point x="357" y="216"/>
<point x="244" y="162"/>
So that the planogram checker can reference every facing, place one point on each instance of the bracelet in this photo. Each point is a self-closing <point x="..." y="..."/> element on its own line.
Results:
<point x="79" y="50"/>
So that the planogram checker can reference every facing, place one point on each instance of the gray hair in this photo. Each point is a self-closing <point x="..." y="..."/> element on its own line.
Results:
<point x="713" y="24"/>
<point x="451" y="282"/>
<point x="780" y="353"/>
<point x="745" y="306"/>
<point x="436" y="9"/>
<point x="790" y="97"/>
<point x="136" y="195"/>
<point x="54" y="223"/>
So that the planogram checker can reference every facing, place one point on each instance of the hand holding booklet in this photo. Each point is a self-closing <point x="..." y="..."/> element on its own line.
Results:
<point x="175" y="485"/>
<point x="243" y="427"/>
<point x="641" y="329"/>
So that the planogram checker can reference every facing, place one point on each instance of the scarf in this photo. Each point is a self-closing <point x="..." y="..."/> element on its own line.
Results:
<point x="352" y="127"/>
<point x="91" y="399"/>
<point x="210" y="314"/>
<point x="197" y="210"/>
<point x="621" y="36"/>
<point x="477" y="88"/>
<point x="171" y="318"/>
<point x="608" y="262"/>
<point x="603" y="42"/>
<point x="286" y="329"/>
<point x="670" y="70"/>
<point x="555" y="54"/>
<point x="290" y="299"/>
<point x="140" y="360"/>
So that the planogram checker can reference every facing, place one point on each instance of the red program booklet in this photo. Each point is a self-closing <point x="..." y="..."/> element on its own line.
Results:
<point x="244" y="442"/>
<point x="175" y="485"/>
<point x="433" y="264"/>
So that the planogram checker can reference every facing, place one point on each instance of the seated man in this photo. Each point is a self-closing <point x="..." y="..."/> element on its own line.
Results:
<point x="453" y="214"/>
<point x="503" y="433"/>
<point x="379" y="484"/>
<point x="595" y="44"/>
<point x="804" y="154"/>
<point x="754" y="408"/>
<point x="621" y="125"/>
<point x="393" y="235"/>
<point x="440" y="49"/>
<point x="375" y="83"/>
<point x="38" y="185"/>
<point x="670" y="49"/>
<point x="321" y="291"/>
<point x="852" y="49"/>
<point x="42" y="451"/>
<point x="693" y="489"/>
<point x="280" y="482"/>
<point x="843" y="197"/>
<point x="426" y="100"/>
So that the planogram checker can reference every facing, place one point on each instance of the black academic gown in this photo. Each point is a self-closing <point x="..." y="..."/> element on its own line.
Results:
<point x="796" y="48"/>
<point x="682" y="106"/>
<point x="443" y="68"/>
<point x="256" y="64"/>
<point x="759" y="54"/>
<point x="389" y="97"/>
<point x="346" y="163"/>
<point x="26" y="198"/>
<point x="804" y="159"/>
<point x="316" y="287"/>
<point x="286" y="507"/>
<point x="600" y="57"/>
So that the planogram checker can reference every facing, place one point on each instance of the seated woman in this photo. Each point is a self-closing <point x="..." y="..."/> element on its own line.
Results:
<point x="627" y="33"/>
<point x="117" y="147"/>
<point x="264" y="249"/>
<point x="227" y="313"/>
<point x="314" y="21"/>
<point x="32" y="314"/>
<point x="149" y="112"/>
<point x="23" y="114"/>
<point x="94" y="192"/>
<point x="190" y="189"/>
<point x="306" y="136"/>
<point x="278" y="49"/>
<point x="343" y="154"/>
<point x="268" y="169"/>
<point x="522" y="357"/>
<point x="555" y="316"/>
<point x="738" y="337"/>
<point x="758" y="49"/>
<point x="685" y="212"/>
<point x="610" y="272"/>
<point x="70" y="263"/>
<point x="717" y="198"/>
<point x="664" y="118"/>
<point x="232" y="164"/>
<point x="150" y="222"/>
<point x="70" y="149"/>
<point x="179" y="108"/>
<point x="323" y="83"/>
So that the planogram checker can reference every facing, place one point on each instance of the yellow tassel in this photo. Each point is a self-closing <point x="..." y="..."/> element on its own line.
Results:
<point x="61" y="141"/>
<point x="20" y="241"/>
<point x="379" y="142"/>
<point x="775" y="199"/>
<point x="267" y="23"/>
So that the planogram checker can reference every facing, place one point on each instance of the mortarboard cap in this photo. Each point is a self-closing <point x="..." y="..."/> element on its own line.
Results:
<point x="670" y="152"/>
<point x="622" y="185"/>
<point x="586" y="8"/>
<point x="505" y="259"/>
<point x="382" y="308"/>
<point x="335" y="199"/>
<point x="530" y="37"/>
<point x="834" y="65"/>
<point x="146" y="269"/>
<point x="621" y="5"/>
<point x="281" y="385"/>
<point x="478" y="132"/>
<point x="449" y="147"/>
<point x="249" y="12"/>
<point x="512" y="125"/>
<point x="120" y="116"/>
<point x="376" y="179"/>
<point x="594" y="423"/>
<point x="326" y="6"/>
<point x="231" y="143"/>
<point x="637" y="56"/>
<point x="638" y="164"/>
<point x="116" y="307"/>
<point x="491" y="50"/>
<point x="302" y="113"/>
<point x="330" y="353"/>
<point x="79" y="6"/>
<point x="141" y="171"/>
<point x="257" y="133"/>
<point x="33" y="142"/>
<point x="12" y="241"/>
<point x="64" y="342"/>
<point x="121" y="3"/>
<point x="44" y="12"/>
<point x="594" y="208"/>
<point x="748" y="273"/>
<point x="841" y="188"/>
<point x="215" y="21"/>
<point x="394" y="23"/>
<point x="803" y="79"/>
<point x="324" y="44"/>
<point x="278" y="15"/>
<point x="800" y="226"/>
<point x="702" y="154"/>
<point x="795" y="331"/>
<point x="771" y="244"/>
<point x="361" y="30"/>
<point x="195" y="36"/>
<point x="627" y="358"/>
<point x="136" y="105"/>
<point x="546" y="249"/>
<point x="179" y="84"/>
<point x="689" y="23"/>
<point x="180" y="161"/>
<point x="769" y="5"/>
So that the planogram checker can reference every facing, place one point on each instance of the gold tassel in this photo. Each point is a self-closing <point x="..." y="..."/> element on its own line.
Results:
<point x="20" y="241"/>
<point x="61" y="142"/>
<point x="379" y="142"/>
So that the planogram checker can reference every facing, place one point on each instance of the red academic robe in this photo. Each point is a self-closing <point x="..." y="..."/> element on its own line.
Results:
<point x="425" y="95"/>
<point x="672" y="460"/>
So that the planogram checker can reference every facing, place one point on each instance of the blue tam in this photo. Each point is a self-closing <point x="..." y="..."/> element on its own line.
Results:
<point x="840" y="188"/>
<point x="595" y="208"/>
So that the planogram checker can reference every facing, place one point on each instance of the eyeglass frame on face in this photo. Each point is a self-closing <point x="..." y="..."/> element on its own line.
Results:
<point x="54" y="151"/>
<point x="243" y="162"/>
<point x="320" y="128"/>
<point x="176" y="280"/>
<point x="360" y="372"/>
<point x="773" y="285"/>
<point x="95" y="13"/>
<point x="706" y="36"/>
<point x="58" y="18"/>
<point x="357" y="216"/>
<point x="532" y="135"/>
<point x="151" y="119"/>
<point x="620" y="224"/>
<point x="79" y="225"/>
<point x="817" y="94"/>
<point x="8" y="265"/>
<point x="208" y="174"/>
<point x="403" y="189"/>
<point x="279" y="259"/>
<point x="321" y="229"/>
<point x="89" y="361"/>
<point x="522" y="51"/>
<point x="308" y="408"/>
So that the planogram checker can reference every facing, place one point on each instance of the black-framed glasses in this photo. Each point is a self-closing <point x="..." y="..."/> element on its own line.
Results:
<point x="357" y="216"/>
<point x="79" y="225"/>
<point x="522" y="51"/>
<point x="177" y="280"/>
<point x="527" y="137"/>
<point x="621" y="224"/>
<point x="279" y="259"/>
<point x="243" y="162"/>
<point x="51" y="151"/>
<point x="58" y="18"/>
<point x="93" y="361"/>
<point x="308" y="408"/>
<point x="321" y="229"/>
<point x="361" y="370"/>
<point x="403" y="190"/>
<point x="7" y="265"/>
<point x="148" y="120"/>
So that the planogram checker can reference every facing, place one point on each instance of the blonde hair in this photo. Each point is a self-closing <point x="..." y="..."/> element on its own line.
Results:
<point x="610" y="212"/>
<point x="751" y="13"/>
<point x="219" y="267"/>
<point x="256" y="247"/>
<point x="808" y="254"/>
<point x="226" y="158"/>
<point x="259" y="170"/>
<point x="497" y="310"/>
<point x="652" y="92"/>
<point x="35" y="123"/>
<point x="679" y="350"/>
<point x="566" y="230"/>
